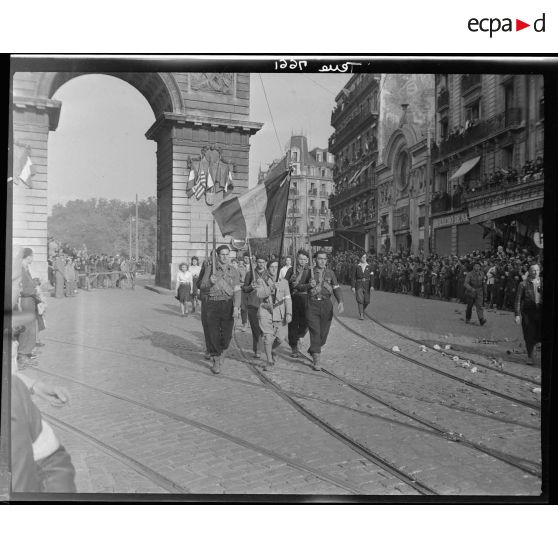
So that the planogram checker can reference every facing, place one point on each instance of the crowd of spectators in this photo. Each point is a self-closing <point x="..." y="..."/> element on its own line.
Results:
<point x="70" y="269"/>
<point x="443" y="277"/>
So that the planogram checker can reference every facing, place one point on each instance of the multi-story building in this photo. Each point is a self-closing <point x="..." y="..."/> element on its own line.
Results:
<point x="487" y="162"/>
<point x="355" y="148"/>
<point x="402" y="172"/>
<point x="311" y="186"/>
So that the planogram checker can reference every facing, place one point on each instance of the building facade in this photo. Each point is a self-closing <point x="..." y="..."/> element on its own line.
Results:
<point x="487" y="162"/>
<point x="402" y="173"/>
<point x="311" y="186"/>
<point x="354" y="145"/>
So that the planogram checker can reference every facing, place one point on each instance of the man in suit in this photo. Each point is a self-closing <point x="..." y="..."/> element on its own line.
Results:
<point x="275" y="311"/>
<point x="528" y="309"/>
<point x="361" y="284"/>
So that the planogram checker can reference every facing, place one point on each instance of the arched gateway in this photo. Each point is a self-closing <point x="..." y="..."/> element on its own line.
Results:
<point x="193" y="112"/>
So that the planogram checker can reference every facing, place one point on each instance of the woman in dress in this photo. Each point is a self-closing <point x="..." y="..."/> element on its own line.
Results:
<point x="195" y="270"/>
<point x="184" y="287"/>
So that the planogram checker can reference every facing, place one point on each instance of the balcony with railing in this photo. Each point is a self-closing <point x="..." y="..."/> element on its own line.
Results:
<point x="292" y="229"/>
<point x="324" y="211"/>
<point x="313" y="192"/>
<point x="312" y="211"/>
<point x="337" y="139"/>
<point x="337" y="112"/>
<point x="323" y="193"/>
<point x="478" y="130"/>
<point x="443" y="99"/>
<point x="530" y="175"/>
<point x="295" y="211"/>
<point x="470" y="81"/>
<point x="293" y="192"/>
<point x="442" y="203"/>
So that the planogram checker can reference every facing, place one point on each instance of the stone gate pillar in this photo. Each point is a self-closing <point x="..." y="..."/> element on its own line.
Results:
<point x="214" y="116"/>
<point x="33" y="119"/>
<point x="182" y="221"/>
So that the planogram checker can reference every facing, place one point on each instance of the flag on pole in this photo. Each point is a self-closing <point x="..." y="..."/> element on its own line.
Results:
<point x="191" y="183"/>
<point x="261" y="211"/>
<point x="23" y="165"/>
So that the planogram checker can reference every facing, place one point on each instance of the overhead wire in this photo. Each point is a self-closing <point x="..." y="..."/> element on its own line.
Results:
<point x="271" y="115"/>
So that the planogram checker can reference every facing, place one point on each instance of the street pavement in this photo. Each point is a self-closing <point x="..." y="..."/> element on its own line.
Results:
<point x="148" y="416"/>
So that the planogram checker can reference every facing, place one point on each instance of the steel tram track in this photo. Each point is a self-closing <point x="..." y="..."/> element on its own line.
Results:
<point x="349" y="487"/>
<point x="338" y="435"/>
<point x="487" y="366"/>
<point x="512" y="460"/>
<point x="416" y="362"/>
<point x="147" y="472"/>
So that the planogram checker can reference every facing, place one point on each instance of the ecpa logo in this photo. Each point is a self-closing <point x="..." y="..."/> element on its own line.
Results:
<point x="495" y="24"/>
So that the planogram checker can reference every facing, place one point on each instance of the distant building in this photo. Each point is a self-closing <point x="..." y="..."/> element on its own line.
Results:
<point x="487" y="161"/>
<point x="355" y="147"/>
<point x="311" y="186"/>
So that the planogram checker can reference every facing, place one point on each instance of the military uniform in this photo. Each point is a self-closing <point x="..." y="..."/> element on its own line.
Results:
<point x="361" y="281"/>
<point x="298" y="327"/>
<point x="222" y="297"/>
<point x="474" y="285"/>
<point x="252" y="305"/>
<point x="203" y="294"/>
<point x="319" y="309"/>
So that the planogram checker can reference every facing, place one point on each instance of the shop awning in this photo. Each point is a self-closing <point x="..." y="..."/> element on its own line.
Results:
<point x="465" y="168"/>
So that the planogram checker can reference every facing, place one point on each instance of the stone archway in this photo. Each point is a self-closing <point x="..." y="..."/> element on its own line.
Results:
<point x="192" y="111"/>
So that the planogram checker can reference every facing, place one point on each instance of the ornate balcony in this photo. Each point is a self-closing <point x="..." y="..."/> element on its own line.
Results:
<point x="447" y="202"/>
<point x="479" y="131"/>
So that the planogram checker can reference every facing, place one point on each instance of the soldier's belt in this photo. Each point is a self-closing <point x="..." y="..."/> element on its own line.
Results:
<point x="220" y="297"/>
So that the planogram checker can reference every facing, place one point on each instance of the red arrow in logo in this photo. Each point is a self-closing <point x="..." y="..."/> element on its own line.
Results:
<point x="519" y="25"/>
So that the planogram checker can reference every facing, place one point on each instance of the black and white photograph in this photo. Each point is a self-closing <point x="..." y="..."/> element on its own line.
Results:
<point x="284" y="280"/>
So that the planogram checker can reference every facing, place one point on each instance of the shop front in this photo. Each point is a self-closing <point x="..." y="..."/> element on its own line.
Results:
<point x="445" y="232"/>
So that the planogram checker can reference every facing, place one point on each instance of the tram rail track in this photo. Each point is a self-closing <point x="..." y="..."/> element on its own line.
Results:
<point x="340" y="483"/>
<point x="436" y="370"/>
<point x="359" y="448"/>
<point x="453" y="353"/>
<point x="522" y="464"/>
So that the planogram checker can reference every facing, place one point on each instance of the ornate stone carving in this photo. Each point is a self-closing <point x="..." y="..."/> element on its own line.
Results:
<point x="214" y="83"/>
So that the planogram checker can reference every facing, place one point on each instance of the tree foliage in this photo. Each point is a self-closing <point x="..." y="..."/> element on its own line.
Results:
<point x="103" y="226"/>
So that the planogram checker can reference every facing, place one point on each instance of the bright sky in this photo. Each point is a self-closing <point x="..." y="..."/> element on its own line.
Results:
<point x="100" y="150"/>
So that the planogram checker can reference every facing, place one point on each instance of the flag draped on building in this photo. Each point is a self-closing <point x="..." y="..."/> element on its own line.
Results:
<point x="23" y="165"/>
<point x="259" y="213"/>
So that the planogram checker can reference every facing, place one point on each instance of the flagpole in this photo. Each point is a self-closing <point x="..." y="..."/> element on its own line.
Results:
<point x="288" y="186"/>
<point x="137" y="231"/>
<point x="206" y="243"/>
<point x="214" y="250"/>
<point x="250" y="256"/>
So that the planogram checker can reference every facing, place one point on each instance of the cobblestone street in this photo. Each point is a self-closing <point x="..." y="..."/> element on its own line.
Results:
<point x="148" y="416"/>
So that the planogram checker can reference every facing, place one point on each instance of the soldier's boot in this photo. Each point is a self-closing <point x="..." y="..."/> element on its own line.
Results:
<point x="316" y="361"/>
<point x="294" y="351"/>
<point x="216" y="366"/>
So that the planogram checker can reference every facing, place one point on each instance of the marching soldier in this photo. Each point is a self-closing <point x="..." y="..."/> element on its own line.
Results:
<point x="298" y="327"/>
<point x="223" y="305"/>
<point x="252" y="301"/>
<point x="243" y="268"/>
<point x="361" y="283"/>
<point x="275" y="310"/>
<point x="321" y="286"/>
<point x="475" y="287"/>
<point x="203" y="291"/>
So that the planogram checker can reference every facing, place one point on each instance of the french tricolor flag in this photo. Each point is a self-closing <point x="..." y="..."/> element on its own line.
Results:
<point x="259" y="213"/>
